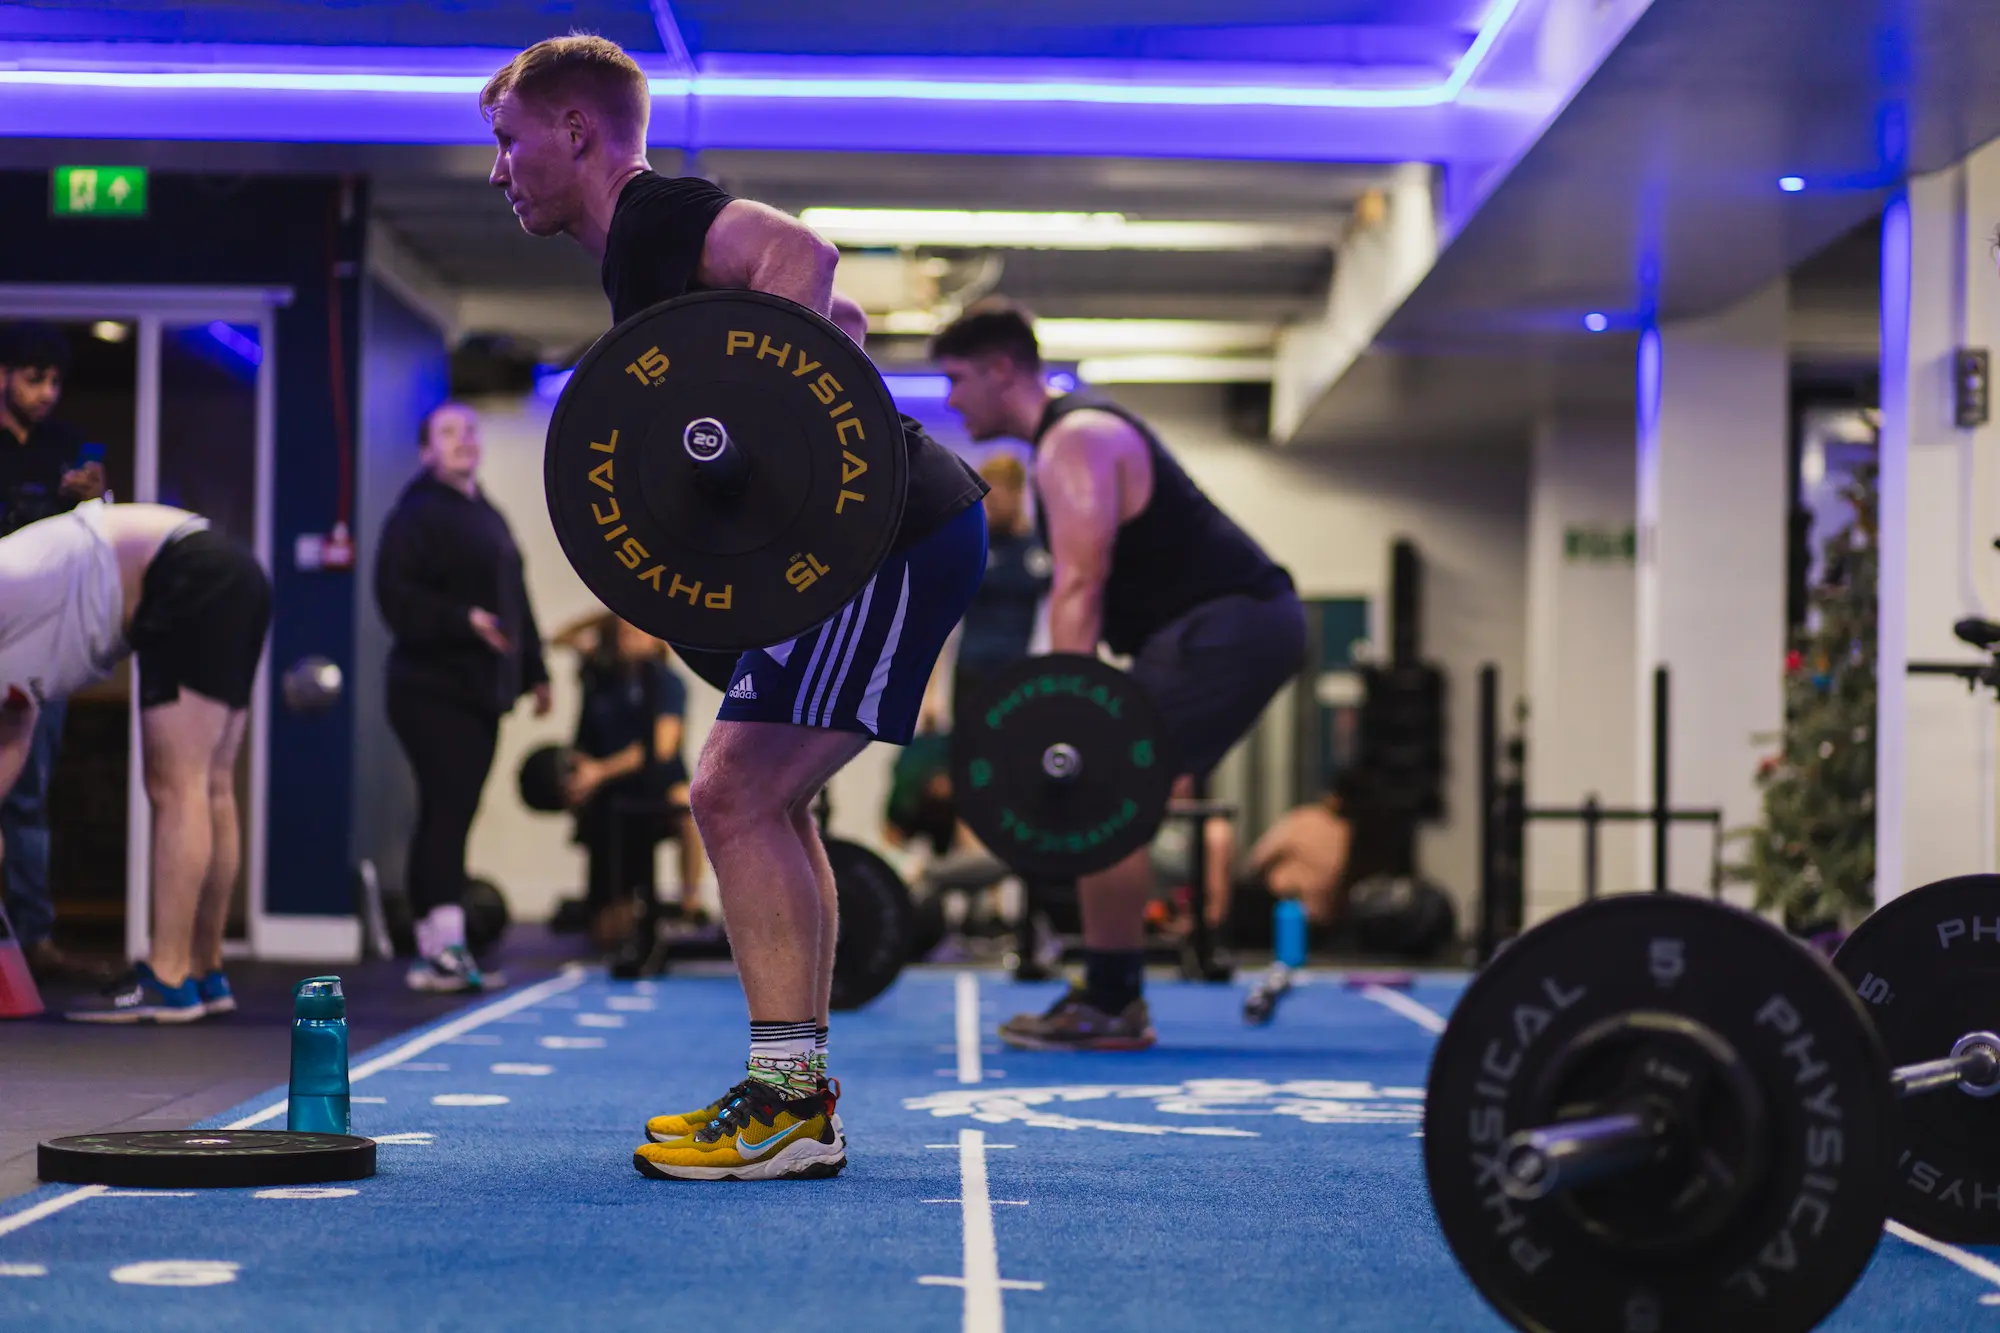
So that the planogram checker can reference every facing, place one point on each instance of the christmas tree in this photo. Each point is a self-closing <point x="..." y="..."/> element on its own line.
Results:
<point x="1814" y="855"/>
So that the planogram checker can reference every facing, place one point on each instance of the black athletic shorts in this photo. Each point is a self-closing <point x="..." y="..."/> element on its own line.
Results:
<point x="204" y="608"/>
<point x="1214" y="671"/>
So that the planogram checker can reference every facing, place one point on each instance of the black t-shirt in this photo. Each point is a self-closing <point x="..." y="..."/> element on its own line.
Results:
<point x="1001" y="619"/>
<point x="31" y="474"/>
<point x="652" y="253"/>
<point x="622" y="701"/>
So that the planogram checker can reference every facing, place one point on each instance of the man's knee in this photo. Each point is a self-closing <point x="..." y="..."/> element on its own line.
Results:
<point x="726" y="798"/>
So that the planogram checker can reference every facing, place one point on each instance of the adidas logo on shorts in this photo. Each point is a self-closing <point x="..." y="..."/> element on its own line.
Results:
<point x="743" y="689"/>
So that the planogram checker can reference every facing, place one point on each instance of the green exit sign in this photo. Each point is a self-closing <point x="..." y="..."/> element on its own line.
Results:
<point x="98" y="192"/>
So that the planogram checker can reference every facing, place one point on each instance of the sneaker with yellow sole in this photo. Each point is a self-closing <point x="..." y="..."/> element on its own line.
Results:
<point x="662" y="1128"/>
<point x="756" y="1134"/>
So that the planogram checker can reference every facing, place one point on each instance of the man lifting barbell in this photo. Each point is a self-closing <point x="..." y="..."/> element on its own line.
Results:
<point x="1658" y="1112"/>
<point x="653" y="529"/>
<point x="1147" y="564"/>
<point x="78" y="592"/>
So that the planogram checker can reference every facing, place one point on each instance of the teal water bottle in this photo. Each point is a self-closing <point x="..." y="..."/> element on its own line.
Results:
<point x="1288" y="932"/>
<point x="319" y="1094"/>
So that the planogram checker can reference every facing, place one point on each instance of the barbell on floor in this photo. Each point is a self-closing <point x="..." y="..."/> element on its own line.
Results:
<point x="1658" y="1112"/>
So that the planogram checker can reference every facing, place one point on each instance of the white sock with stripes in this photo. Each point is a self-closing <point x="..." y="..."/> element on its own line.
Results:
<point x="781" y="1055"/>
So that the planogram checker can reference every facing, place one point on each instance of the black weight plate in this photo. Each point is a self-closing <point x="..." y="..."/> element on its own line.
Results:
<point x="486" y="914"/>
<point x="1109" y="807"/>
<point x="826" y="455"/>
<point x="1927" y="964"/>
<point x="875" y="915"/>
<point x="205" y="1158"/>
<point x="1794" y="1245"/>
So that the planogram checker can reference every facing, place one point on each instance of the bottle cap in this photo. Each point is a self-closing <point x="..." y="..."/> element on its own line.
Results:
<point x="320" y="998"/>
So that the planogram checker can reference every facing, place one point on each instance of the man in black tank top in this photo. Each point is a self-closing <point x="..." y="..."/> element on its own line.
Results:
<point x="1147" y="566"/>
<point x="569" y="116"/>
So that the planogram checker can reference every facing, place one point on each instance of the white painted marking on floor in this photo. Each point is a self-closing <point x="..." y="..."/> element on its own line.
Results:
<point x="1425" y="1017"/>
<point x="644" y="987"/>
<point x="630" y="1004"/>
<point x="600" y="1020"/>
<point x="176" y="1273"/>
<point x="423" y="1067"/>
<point x="147" y="1194"/>
<point x="48" y="1207"/>
<point x="368" y="1101"/>
<point x="483" y="1039"/>
<point x="469" y="1099"/>
<point x="984" y="1310"/>
<point x="306" y="1192"/>
<point x="500" y="1011"/>
<point x="967" y="987"/>
<point x="1977" y="1265"/>
<point x="530" y="1071"/>
<point x="24" y="1270"/>
<point x="411" y="1139"/>
<point x="572" y="1043"/>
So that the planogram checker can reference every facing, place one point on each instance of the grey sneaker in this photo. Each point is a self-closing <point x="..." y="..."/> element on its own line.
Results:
<point x="452" y="972"/>
<point x="1074" y="1024"/>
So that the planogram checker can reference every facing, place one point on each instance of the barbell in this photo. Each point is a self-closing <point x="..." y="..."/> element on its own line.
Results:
<point x="1656" y="1112"/>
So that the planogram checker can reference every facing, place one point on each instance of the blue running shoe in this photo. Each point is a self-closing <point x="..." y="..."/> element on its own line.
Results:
<point x="138" y="997"/>
<point x="216" y="997"/>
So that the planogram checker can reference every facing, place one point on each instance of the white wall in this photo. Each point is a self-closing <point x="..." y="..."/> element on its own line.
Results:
<point x="1581" y="657"/>
<point x="1329" y="516"/>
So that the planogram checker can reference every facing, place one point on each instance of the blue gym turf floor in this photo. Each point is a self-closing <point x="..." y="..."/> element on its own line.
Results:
<point x="1231" y="1178"/>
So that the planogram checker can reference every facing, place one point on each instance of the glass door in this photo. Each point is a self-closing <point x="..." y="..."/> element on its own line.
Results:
<point x="185" y="419"/>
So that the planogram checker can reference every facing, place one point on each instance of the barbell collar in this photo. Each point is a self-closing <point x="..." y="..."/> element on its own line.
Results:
<point x="1061" y="762"/>
<point x="1538" y="1162"/>
<point x="1973" y="1067"/>
<point x="721" y="466"/>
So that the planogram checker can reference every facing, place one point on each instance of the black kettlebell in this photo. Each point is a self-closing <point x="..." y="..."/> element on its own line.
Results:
<point x="544" y="778"/>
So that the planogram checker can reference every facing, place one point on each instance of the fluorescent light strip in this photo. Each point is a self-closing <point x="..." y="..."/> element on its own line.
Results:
<point x="355" y="80"/>
<point x="869" y="227"/>
<point x="1177" y="370"/>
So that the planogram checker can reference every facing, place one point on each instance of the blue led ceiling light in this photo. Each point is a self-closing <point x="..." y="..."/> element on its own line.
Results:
<point x="1595" y="322"/>
<point x="1791" y="184"/>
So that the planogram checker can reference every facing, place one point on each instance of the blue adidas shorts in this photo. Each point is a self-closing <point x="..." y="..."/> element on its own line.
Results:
<point x="866" y="669"/>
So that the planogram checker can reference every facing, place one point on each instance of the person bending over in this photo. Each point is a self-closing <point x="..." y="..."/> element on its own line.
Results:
<point x="628" y="774"/>
<point x="77" y="593"/>
<point x="1146" y="565"/>
<point x="449" y="582"/>
<point x="43" y="472"/>
<point x="569" y="117"/>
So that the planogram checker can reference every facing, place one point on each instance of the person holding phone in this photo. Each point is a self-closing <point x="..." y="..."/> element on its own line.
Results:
<point x="46" y="468"/>
<point x="450" y="584"/>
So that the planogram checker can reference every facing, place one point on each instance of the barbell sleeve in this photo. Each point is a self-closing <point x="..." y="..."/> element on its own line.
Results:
<point x="1535" y="1163"/>
<point x="1972" y="1067"/>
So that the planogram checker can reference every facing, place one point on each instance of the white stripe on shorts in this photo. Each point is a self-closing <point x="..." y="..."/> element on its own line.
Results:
<point x="847" y="658"/>
<point x="806" y="677"/>
<point x="878" y="679"/>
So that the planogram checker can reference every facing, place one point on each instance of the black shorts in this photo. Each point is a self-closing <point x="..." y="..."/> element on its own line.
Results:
<point x="204" y="608"/>
<point x="1212" y="672"/>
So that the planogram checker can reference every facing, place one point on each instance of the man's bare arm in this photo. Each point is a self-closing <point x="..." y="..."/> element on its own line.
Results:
<point x="751" y="245"/>
<point x="1076" y="475"/>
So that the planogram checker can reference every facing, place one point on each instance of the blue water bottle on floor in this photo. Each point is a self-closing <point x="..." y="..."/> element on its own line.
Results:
<point x="1288" y="932"/>
<point x="319" y="1094"/>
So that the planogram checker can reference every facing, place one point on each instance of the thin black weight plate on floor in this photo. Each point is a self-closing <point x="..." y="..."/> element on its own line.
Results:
<point x="826" y="455"/>
<point x="1793" y="1245"/>
<point x="875" y="921"/>
<point x="1927" y="964"/>
<point x="1062" y="711"/>
<point x="206" y="1159"/>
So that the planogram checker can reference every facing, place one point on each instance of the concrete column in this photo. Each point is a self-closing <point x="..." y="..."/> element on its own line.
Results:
<point x="1712" y="480"/>
<point x="1580" y="651"/>
<point x="1935" y="743"/>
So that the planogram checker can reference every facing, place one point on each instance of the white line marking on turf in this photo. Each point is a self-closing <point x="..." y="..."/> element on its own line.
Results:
<point x="24" y="1270"/>
<point x="30" y="1216"/>
<point x="600" y="1020"/>
<point x="1425" y="1017"/>
<point x="967" y="986"/>
<point x="468" y="1099"/>
<point x="147" y="1194"/>
<point x="1972" y="1263"/>
<point x="983" y="1285"/>
<point x="568" y="979"/>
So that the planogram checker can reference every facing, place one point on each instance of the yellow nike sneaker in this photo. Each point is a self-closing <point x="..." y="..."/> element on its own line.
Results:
<point x="662" y="1128"/>
<point x="757" y="1134"/>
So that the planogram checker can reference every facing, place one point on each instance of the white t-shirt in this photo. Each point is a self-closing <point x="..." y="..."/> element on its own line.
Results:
<point x="62" y="609"/>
